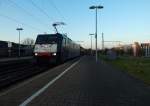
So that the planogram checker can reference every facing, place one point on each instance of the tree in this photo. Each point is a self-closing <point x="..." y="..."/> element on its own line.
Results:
<point x="28" y="41"/>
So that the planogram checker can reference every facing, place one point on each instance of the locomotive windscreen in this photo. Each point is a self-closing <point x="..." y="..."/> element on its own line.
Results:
<point x="46" y="39"/>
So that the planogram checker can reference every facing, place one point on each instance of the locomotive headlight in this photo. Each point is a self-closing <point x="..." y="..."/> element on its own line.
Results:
<point x="36" y="54"/>
<point x="54" y="54"/>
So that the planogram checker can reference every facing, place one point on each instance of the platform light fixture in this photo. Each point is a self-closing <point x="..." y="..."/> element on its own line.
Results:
<point x="96" y="8"/>
<point x="19" y="29"/>
<point x="91" y="41"/>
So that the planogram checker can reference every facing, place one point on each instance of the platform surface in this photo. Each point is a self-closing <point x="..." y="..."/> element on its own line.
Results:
<point x="82" y="82"/>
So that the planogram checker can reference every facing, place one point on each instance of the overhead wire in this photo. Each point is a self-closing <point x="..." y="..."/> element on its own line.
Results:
<point x="28" y="13"/>
<point x="19" y="22"/>
<point x="51" y="2"/>
<point x="40" y="9"/>
<point x="31" y="15"/>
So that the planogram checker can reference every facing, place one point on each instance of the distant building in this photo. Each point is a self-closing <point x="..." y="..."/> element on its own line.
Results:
<point x="136" y="49"/>
<point x="145" y="49"/>
<point x="127" y="49"/>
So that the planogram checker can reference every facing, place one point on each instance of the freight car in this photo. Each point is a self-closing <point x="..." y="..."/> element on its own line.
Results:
<point x="12" y="51"/>
<point x="3" y="49"/>
<point x="55" y="48"/>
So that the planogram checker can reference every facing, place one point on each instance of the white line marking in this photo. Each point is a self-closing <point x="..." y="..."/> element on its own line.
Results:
<point x="28" y="100"/>
<point x="28" y="81"/>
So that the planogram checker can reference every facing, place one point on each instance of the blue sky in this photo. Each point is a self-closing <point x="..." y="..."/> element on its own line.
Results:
<point x="120" y="20"/>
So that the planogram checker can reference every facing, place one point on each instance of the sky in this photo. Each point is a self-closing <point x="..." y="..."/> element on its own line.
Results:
<point x="120" y="20"/>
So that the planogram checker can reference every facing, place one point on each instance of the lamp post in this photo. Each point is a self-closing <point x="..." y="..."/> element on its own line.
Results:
<point x="96" y="8"/>
<point x="19" y="29"/>
<point x="91" y="42"/>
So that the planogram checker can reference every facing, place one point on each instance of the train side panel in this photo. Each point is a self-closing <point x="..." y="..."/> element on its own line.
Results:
<point x="65" y="49"/>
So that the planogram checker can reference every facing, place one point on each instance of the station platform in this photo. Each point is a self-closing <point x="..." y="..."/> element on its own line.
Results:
<point x="79" y="82"/>
<point x="15" y="58"/>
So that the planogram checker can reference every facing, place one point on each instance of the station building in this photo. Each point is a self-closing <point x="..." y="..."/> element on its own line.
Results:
<point x="145" y="49"/>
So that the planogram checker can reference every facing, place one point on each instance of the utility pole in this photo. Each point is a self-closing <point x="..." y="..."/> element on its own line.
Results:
<point x="102" y="41"/>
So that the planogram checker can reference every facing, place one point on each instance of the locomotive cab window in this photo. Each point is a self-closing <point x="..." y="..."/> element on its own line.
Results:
<point x="46" y="39"/>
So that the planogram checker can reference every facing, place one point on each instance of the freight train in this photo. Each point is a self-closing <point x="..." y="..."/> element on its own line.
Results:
<point x="55" y="48"/>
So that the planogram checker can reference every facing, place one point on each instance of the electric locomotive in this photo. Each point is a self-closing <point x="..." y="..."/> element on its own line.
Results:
<point x="55" y="48"/>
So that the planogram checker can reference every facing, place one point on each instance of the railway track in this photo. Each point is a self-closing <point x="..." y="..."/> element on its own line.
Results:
<point x="11" y="73"/>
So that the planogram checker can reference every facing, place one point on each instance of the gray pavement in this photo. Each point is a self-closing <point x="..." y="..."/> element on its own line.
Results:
<point x="86" y="84"/>
<point x="16" y="94"/>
